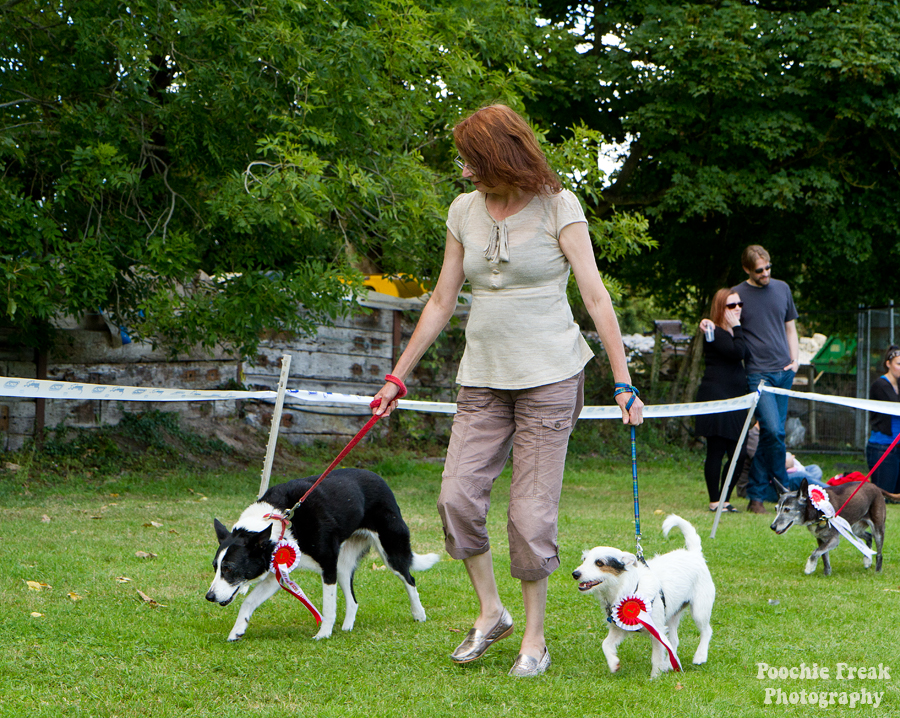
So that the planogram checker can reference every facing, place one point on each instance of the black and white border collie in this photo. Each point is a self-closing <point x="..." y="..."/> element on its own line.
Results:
<point x="351" y="511"/>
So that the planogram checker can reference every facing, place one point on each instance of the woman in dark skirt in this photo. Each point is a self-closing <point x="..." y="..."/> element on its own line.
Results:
<point x="724" y="378"/>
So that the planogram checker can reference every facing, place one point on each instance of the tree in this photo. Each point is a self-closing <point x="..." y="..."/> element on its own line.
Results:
<point x="745" y="122"/>
<point x="199" y="170"/>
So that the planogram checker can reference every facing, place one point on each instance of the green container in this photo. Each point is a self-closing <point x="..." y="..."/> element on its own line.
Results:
<point x="837" y="355"/>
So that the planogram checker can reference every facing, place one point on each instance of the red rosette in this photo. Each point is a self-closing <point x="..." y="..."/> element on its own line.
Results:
<point x="286" y="555"/>
<point x="627" y="612"/>
<point x="632" y="613"/>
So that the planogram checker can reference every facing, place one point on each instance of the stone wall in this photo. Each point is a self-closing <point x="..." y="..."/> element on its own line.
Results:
<point x="351" y="357"/>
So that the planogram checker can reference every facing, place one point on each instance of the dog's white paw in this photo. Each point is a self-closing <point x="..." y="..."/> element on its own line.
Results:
<point x="323" y="633"/>
<point x="419" y="615"/>
<point x="810" y="566"/>
<point x="232" y="637"/>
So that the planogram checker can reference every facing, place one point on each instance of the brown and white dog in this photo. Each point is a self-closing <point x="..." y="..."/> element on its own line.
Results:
<point x="674" y="581"/>
<point x="865" y="513"/>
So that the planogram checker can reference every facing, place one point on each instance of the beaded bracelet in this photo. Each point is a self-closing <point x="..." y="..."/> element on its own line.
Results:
<point x="620" y="388"/>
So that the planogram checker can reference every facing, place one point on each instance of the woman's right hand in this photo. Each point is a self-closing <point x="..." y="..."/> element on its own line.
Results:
<point x="732" y="318"/>
<point x="385" y="400"/>
<point x="704" y="323"/>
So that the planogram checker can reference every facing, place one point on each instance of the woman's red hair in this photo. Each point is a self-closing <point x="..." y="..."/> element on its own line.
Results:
<point x="500" y="148"/>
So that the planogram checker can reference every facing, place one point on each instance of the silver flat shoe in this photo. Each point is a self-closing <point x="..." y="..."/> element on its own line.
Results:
<point x="476" y="642"/>
<point x="528" y="667"/>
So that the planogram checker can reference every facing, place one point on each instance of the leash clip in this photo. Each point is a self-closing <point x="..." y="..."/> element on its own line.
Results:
<point x="289" y="514"/>
<point x="639" y="551"/>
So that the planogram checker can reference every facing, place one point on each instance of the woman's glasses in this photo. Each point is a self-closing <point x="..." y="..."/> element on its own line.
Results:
<point x="734" y="304"/>
<point x="461" y="164"/>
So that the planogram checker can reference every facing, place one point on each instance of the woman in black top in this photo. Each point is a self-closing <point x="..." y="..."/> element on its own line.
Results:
<point x="723" y="378"/>
<point x="885" y="427"/>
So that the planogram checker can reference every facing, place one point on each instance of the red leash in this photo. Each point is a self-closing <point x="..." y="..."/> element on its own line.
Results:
<point x="348" y="448"/>
<point x="871" y="471"/>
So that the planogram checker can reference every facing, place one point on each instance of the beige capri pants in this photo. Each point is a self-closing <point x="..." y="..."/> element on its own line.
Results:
<point x="535" y="424"/>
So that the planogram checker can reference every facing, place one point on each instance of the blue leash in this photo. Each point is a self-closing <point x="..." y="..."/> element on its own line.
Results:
<point x="637" y="509"/>
<point x="621" y="389"/>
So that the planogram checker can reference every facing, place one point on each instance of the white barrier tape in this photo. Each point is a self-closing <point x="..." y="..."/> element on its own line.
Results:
<point x="660" y="411"/>
<point x="300" y="396"/>
<point x="37" y="389"/>
<point x="879" y="407"/>
<point x="45" y="389"/>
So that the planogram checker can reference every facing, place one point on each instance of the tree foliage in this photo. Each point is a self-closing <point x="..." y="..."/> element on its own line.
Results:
<point x="773" y="123"/>
<point x="199" y="170"/>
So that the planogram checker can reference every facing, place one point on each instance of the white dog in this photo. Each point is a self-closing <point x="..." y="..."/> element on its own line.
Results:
<point x="672" y="582"/>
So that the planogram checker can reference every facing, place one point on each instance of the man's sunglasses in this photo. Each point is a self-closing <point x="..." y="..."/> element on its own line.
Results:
<point x="763" y="269"/>
<point x="734" y="304"/>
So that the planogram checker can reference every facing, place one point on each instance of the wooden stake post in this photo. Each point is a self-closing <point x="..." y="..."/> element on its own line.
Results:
<point x="276" y="422"/>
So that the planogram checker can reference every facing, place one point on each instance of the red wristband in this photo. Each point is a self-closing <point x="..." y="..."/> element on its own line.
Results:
<point x="399" y="382"/>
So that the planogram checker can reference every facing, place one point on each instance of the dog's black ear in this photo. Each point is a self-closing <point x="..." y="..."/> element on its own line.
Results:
<point x="263" y="537"/>
<point x="804" y="489"/>
<point x="221" y="532"/>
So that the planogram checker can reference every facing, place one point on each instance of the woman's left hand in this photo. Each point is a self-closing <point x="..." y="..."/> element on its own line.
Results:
<point x="633" y="416"/>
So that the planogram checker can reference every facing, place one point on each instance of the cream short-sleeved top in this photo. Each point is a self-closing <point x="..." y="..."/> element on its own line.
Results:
<point x="520" y="332"/>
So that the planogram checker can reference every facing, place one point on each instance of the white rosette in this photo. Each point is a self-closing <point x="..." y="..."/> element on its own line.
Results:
<point x="819" y="498"/>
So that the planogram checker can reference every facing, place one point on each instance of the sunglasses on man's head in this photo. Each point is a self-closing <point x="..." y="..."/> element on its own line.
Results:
<point x="763" y="269"/>
<point x="734" y="304"/>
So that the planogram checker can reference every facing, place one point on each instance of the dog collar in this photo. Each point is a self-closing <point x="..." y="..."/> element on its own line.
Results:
<point x="284" y="520"/>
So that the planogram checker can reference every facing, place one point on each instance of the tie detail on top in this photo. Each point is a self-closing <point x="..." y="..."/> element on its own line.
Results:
<point x="497" y="249"/>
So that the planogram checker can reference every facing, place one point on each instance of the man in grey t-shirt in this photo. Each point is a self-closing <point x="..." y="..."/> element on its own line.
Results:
<point x="770" y="335"/>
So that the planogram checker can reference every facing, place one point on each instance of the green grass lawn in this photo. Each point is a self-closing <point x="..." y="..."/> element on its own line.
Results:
<point x="90" y="645"/>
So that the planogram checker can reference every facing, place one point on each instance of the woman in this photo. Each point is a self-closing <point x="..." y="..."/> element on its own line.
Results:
<point x="723" y="378"/>
<point x="514" y="238"/>
<point x="885" y="427"/>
